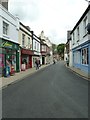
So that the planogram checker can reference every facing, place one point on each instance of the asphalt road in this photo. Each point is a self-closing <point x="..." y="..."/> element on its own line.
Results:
<point x="54" y="92"/>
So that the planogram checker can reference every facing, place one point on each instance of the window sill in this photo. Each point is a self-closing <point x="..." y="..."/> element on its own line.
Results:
<point x="78" y="40"/>
<point x="6" y="36"/>
<point x="85" y="64"/>
<point x="85" y="35"/>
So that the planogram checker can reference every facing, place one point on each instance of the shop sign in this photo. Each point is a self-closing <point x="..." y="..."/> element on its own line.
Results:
<point x="6" y="44"/>
<point x="28" y="52"/>
<point x="37" y="53"/>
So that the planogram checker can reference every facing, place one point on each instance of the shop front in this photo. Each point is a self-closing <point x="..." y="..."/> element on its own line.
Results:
<point x="9" y="56"/>
<point x="26" y="58"/>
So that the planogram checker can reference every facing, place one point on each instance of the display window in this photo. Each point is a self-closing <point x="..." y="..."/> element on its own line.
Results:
<point x="85" y="56"/>
<point x="1" y="60"/>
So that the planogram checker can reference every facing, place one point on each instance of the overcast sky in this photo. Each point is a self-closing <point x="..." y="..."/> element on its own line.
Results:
<point x="54" y="17"/>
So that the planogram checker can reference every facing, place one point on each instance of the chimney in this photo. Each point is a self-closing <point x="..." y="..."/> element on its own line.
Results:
<point x="4" y="3"/>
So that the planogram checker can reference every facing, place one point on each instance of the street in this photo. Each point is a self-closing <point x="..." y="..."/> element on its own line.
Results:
<point x="54" y="92"/>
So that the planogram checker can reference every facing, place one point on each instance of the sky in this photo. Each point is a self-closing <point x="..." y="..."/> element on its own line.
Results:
<point x="54" y="17"/>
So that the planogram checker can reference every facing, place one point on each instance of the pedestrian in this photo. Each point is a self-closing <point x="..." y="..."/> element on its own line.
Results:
<point x="67" y="62"/>
<point x="37" y="64"/>
<point x="54" y="61"/>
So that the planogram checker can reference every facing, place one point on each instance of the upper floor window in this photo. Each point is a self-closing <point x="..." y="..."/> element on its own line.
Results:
<point x="78" y="34"/>
<point x="38" y="47"/>
<point x="28" y="42"/>
<point x="5" y="28"/>
<point x="73" y="38"/>
<point x="23" y="40"/>
<point x="85" y="25"/>
<point x="35" y="45"/>
<point x="43" y="48"/>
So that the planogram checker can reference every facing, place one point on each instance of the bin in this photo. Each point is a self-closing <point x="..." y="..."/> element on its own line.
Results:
<point x="6" y="71"/>
<point x="12" y="72"/>
<point x="23" y="67"/>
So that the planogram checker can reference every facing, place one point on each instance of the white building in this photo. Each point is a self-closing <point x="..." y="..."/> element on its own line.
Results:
<point x="9" y="46"/>
<point x="81" y="43"/>
<point x="36" y="49"/>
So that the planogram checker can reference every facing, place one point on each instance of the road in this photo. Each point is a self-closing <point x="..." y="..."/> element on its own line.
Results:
<point x="54" y="92"/>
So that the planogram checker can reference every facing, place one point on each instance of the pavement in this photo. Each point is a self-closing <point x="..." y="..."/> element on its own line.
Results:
<point x="5" y="81"/>
<point x="79" y="72"/>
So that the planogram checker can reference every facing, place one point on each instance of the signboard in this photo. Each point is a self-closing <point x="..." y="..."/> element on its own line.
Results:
<point x="8" y="44"/>
<point x="28" y="52"/>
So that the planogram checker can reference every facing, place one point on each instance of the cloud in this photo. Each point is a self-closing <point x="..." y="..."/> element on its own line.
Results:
<point x="26" y="10"/>
<point x="55" y="17"/>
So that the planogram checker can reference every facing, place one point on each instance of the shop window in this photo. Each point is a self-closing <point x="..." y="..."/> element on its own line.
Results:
<point x="1" y="60"/>
<point x="77" y="57"/>
<point x="85" y="56"/>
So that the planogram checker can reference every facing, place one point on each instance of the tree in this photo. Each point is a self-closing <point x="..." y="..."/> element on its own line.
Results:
<point x="60" y="49"/>
<point x="54" y="48"/>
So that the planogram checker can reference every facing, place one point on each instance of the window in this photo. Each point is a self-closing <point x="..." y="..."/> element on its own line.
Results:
<point x="5" y="28"/>
<point x="43" y="48"/>
<point x="38" y="47"/>
<point x="73" y="39"/>
<point x="85" y="26"/>
<point x="23" y="40"/>
<point x="85" y="56"/>
<point x="35" y="45"/>
<point x="28" y="42"/>
<point x="77" y="34"/>
<point x="77" y="57"/>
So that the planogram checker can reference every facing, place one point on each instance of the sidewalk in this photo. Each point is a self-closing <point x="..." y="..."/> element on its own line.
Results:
<point x="79" y="72"/>
<point x="5" y="81"/>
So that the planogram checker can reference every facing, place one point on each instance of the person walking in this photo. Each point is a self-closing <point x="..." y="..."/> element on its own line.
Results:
<point x="37" y="64"/>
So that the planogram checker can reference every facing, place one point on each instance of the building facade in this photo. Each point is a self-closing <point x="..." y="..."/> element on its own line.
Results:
<point x="9" y="46"/>
<point x="36" y="49"/>
<point x="25" y="41"/>
<point x="81" y="43"/>
<point x="46" y="49"/>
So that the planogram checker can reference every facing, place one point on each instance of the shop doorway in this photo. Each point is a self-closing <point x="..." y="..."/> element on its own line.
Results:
<point x="43" y="60"/>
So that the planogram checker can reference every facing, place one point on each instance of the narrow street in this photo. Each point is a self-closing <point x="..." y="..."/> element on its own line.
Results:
<point x="54" y="92"/>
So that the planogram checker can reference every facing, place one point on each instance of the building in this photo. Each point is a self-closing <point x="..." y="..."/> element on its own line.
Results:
<point x="80" y="41"/>
<point x="36" y="49"/>
<point x="4" y="3"/>
<point x="46" y="49"/>
<point x="9" y="46"/>
<point x="25" y="41"/>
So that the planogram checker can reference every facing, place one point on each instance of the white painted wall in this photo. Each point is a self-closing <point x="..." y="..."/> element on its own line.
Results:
<point x="13" y="23"/>
<point x="70" y="54"/>
<point x="82" y="37"/>
<point x="26" y="37"/>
